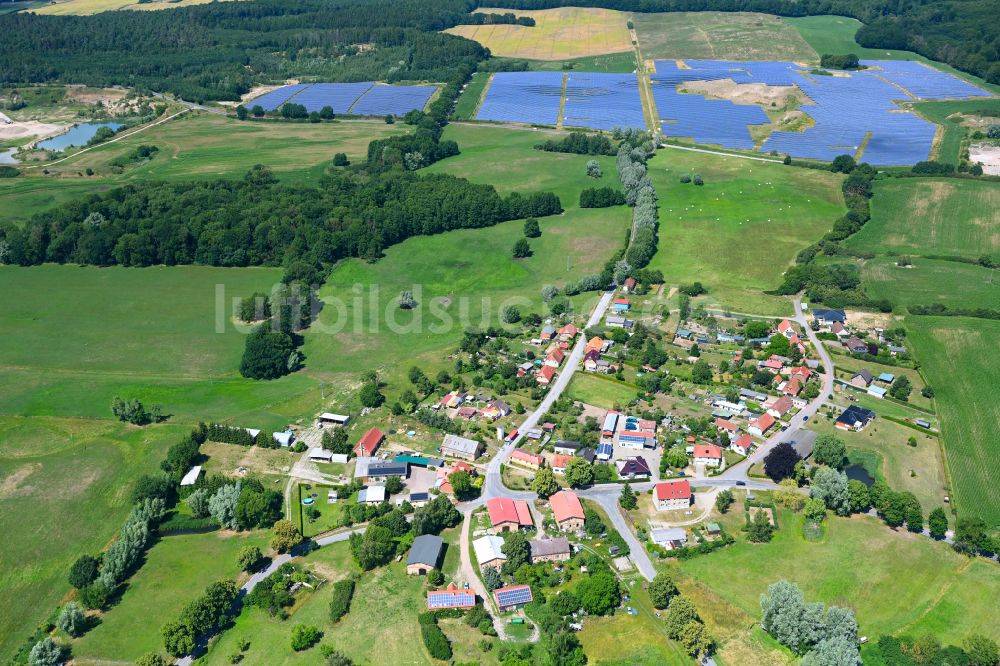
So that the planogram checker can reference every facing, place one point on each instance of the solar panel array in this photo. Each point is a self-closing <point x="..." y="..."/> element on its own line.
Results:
<point x="603" y="101"/>
<point x="523" y="97"/>
<point x="275" y="98"/>
<point x="397" y="100"/>
<point x="923" y="81"/>
<point x="707" y="121"/>
<point x="510" y="596"/>
<point x="363" y="99"/>
<point x="446" y="599"/>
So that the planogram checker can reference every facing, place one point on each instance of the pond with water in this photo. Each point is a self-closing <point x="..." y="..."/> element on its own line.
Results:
<point x="77" y="136"/>
<point x="859" y="473"/>
<point x="7" y="156"/>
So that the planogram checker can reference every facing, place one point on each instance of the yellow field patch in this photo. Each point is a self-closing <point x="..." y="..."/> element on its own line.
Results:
<point x="558" y="34"/>
<point x="85" y="7"/>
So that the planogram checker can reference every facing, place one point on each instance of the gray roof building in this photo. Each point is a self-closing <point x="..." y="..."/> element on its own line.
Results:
<point x="549" y="547"/>
<point x="426" y="549"/>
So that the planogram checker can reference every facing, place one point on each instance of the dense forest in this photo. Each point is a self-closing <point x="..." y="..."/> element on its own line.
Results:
<point x="256" y="221"/>
<point x="219" y="51"/>
<point x="963" y="33"/>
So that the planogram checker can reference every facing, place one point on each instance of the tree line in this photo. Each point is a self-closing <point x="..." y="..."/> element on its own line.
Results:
<point x="963" y="33"/>
<point x="219" y="51"/>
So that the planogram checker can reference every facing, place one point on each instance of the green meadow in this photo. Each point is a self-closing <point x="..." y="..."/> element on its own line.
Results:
<point x="932" y="217"/>
<point x="958" y="357"/>
<point x="194" y="146"/>
<point x="467" y="104"/>
<point x="929" y="281"/>
<point x="895" y="582"/>
<point x="739" y="231"/>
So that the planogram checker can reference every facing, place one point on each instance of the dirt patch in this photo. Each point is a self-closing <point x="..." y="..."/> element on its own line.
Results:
<point x="28" y="129"/>
<point x="11" y="485"/>
<point x="866" y="320"/>
<point x="84" y="95"/>
<point x="988" y="155"/>
<point x="754" y="510"/>
<point x="746" y="93"/>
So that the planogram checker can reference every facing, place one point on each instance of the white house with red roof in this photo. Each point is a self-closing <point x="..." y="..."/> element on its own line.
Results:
<point x="555" y="358"/>
<point x="672" y="495"/>
<point x="709" y="455"/>
<point x="545" y="375"/>
<point x="778" y="407"/>
<point x="527" y="458"/>
<point x="786" y="328"/>
<point x="559" y="463"/>
<point x="567" y="333"/>
<point x="761" y="425"/>
<point x="742" y="444"/>
<point x="727" y="427"/>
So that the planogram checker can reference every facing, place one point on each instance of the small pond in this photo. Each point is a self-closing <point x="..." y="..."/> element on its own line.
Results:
<point x="859" y="473"/>
<point x="7" y="156"/>
<point x="77" y="136"/>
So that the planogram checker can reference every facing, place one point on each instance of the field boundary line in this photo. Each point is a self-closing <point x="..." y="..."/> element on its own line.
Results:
<point x="719" y="152"/>
<point x="110" y="141"/>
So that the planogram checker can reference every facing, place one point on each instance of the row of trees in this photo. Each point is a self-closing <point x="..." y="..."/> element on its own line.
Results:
<point x="202" y="616"/>
<point x="601" y="197"/>
<point x="633" y="151"/>
<point x="579" y="143"/>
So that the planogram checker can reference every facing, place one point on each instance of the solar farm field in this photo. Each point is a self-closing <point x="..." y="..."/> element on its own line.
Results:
<point x="930" y="281"/>
<point x="558" y="34"/>
<point x="739" y="231"/>
<point x="602" y="101"/>
<point x="958" y="357"/>
<point x="359" y="99"/>
<point x="723" y="35"/>
<point x="928" y="217"/>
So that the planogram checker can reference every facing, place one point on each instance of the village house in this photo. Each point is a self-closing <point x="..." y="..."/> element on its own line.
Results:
<point x="621" y="305"/>
<point x="786" y="328"/>
<point x="372" y="470"/>
<point x="545" y="375"/>
<point x="778" y="407"/>
<point x="567" y="510"/>
<point x="761" y="425"/>
<point x="548" y="332"/>
<point x="526" y="458"/>
<point x="549" y="550"/>
<point x="862" y="379"/>
<point x="856" y="345"/>
<point x="508" y="515"/>
<point x="619" y="322"/>
<point x="672" y="495"/>
<point x="709" y="455"/>
<point x="509" y="598"/>
<point x="559" y="463"/>
<point x="854" y="418"/>
<point x="839" y="330"/>
<point x="371" y="495"/>
<point x="488" y="551"/>
<point x="369" y="442"/>
<point x="792" y="387"/>
<point x="669" y="537"/>
<point x="461" y="447"/>
<point x="555" y="358"/>
<point x="594" y="344"/>
<point x="742" y="444"/>
<point x="727" y="427"/>
<point x="424" y="555"/>
<point x="567" y="333"/>
<point x="450" y="597"/>
<point x="827" y="318"/>
<point x="567" y="448"/>
<point x="443" y="484"/>
<point x="630" y="468"/>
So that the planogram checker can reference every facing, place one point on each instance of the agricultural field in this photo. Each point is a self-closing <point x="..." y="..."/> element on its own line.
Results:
<point x="558" y="34"/>
<point x="932" y="217"/>
<point x="908" y="584"/>
<point x="85" y="7"/>
<point x="64" y="491"/>
<point x="930" y="281"/>
<point x="177" y="569"/>
<point x="195" y="145"/>
<point x="720" y="36"/>
<point x="739" y="231"/>
<point x="958" y="356"/>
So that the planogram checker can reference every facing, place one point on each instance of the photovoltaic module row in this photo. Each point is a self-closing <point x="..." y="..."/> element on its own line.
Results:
<point x="523" y="97"/>
<point x="364" y="98"/>
<point x="603" y="101"/>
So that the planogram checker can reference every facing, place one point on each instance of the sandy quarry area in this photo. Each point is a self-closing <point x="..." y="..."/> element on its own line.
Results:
<point x="257" y="91"/>
<point x="988" y="155"/>
<point x="28" y="129"/>
<point x="744" y="93"/>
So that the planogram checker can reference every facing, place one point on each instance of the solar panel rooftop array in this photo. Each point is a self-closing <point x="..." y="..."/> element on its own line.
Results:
<point x="512" y="596"/>
<point x="923" y="81"/>
<point x="523" y="97"/>
<point x="363" y="99"/>
<point x="450" y="599"/>
<point x="603" y="101"/>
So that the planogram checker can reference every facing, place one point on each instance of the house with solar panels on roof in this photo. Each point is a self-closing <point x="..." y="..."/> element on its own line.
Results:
<point x="510" y="598"/>
<point x="450" y="597"/>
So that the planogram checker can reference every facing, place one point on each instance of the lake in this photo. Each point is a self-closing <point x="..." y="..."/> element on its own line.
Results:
<point x="77" y="136"/>
<point x="859" y="473"/>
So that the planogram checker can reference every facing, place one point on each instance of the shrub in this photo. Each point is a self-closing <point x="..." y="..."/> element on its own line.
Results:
<point x="340" y="604"/>
<point x="304" y="636"/>
<point x="83" y="572"/>
<point x="435" y="641"/>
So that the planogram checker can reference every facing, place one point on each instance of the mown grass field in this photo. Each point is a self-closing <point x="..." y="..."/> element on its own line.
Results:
<point x="950" y="115"/>
<point x="739" y="231"/>
<point x="621" y="63"/>
<point x="467" y="104"/>
<point x="721" y="36"/>
<point x="600" y="392"/>
<point x="959" y="359"/>
<point x="194" y="146"/>
<point x="908" y="584"/>
<point x="64" y="491"/>
<point x="558" y="34"/>
<point x="929" y="281"/>
<point x="177" y="570"/>
<point x="930" y="216"/>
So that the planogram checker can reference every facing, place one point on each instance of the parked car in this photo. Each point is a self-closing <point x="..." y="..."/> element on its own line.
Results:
<point x="741" y="483"/>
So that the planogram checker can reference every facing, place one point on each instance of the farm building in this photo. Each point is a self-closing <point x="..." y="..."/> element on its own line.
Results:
<point x="488" y="551"/>
<point x="508" y="515"/>
<point x="567" y="510"/>
<point x="516" y="596"/>
<point x="369" y="442"/>
<point x="461" y="447"/>
<point x="549" y="550"/>
<point x="424" y="554"/>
